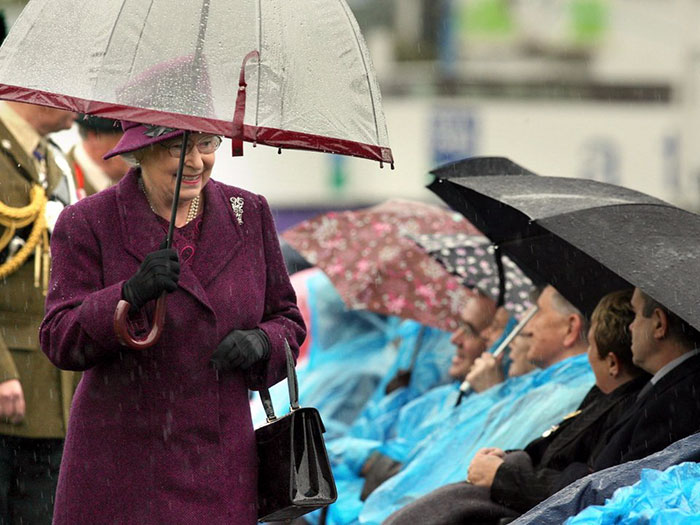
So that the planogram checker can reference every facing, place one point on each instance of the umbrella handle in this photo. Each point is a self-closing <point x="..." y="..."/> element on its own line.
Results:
<point x="121" y="325"/>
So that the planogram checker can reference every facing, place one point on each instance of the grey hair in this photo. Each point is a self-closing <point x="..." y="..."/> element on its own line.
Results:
<point x="133" y="158"/>
<point x="130" y="159"/>
<point x="564" y="307"/>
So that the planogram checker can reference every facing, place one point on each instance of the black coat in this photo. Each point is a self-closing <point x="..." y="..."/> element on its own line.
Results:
<point x="564" y="454"/>
<point x="669" y="411"/>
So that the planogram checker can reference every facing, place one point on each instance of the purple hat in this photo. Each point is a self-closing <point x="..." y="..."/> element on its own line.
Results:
<point x="137" y="136"/>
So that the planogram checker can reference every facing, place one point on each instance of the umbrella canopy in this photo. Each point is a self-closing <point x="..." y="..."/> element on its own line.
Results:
<point x="374" y="266"/>
<point x="292" y="74"/>
<point x="471" y="258"/>
<point x="586" y="238"/>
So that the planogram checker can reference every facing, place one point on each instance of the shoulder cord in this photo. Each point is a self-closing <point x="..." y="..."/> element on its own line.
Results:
<point x="38" y="241"/>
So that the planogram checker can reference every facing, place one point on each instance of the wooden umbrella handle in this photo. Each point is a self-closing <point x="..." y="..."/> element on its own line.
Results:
<point x="121" y="325"/>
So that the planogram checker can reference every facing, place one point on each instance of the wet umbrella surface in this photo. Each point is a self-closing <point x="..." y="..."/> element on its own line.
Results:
<point x="584" y="237"/>
<point x="374" y="266"/>
<point x="292" y="74"/>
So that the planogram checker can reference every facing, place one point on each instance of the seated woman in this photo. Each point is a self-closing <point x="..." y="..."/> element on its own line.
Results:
<point x="504" y="484"/>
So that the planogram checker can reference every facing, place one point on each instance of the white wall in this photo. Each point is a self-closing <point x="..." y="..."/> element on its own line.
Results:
<point x="632" y="145"/>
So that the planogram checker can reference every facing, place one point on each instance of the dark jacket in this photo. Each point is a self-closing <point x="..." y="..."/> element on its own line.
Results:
<point x="563" y="455"/>
<point x="669" y="411"/>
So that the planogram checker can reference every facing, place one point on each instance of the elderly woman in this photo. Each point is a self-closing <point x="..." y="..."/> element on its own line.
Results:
<point x="164" y="435"/>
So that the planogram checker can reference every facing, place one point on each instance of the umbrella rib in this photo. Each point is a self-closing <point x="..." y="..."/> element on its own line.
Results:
<point x="109" y="41"/>
<point x="143" y="28"/>
<point x="257" y="97"/>
<point x="345" y="8"/>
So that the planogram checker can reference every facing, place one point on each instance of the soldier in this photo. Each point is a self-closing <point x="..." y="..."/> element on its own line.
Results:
<point x="93" y="173"/>
<point x="35" y="185"/>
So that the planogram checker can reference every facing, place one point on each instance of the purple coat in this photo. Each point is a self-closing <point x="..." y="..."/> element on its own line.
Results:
<point x="157" y="436"/>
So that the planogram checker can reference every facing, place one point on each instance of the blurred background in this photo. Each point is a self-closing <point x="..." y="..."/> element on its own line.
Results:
<point x="601" y="89"/>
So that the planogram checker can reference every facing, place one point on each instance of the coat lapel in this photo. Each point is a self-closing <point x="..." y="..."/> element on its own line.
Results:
<point x="142" y="233"/>
<point x="221" y="236"/>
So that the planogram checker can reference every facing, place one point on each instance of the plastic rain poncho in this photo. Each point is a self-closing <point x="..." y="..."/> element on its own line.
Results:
<point x="350" y="352"/>
<point x="538" y="400"/>
<point x="395" y="433"/>
<point x="596" y="488"/>
<point x="660" y="497"/>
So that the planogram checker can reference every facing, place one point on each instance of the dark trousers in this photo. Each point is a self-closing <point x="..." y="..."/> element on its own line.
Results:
<point x="28" y="478"/>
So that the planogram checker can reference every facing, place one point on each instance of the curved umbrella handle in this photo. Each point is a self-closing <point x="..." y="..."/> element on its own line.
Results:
<point x="121" y="325"/>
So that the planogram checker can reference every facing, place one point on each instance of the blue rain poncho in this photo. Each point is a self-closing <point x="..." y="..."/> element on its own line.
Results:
<point x="429" y="370"/>
<point x="596" y="488"/>
<point x="396" y="433"/>
<point x="394" y="428"/>
<point x="350" y="353"/>
<point x="660" y="497"/>
<point x="536" y="401"/>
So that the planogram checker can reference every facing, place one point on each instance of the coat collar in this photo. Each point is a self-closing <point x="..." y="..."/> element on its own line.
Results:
<point x="142" y="233"/>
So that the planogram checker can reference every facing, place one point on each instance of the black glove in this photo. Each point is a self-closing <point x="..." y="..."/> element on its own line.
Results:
<point x="158" y="273"/>
<point x="241" y="349"/>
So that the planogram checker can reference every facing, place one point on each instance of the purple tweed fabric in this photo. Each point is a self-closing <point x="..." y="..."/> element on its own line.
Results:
<point x="158" y="436"/>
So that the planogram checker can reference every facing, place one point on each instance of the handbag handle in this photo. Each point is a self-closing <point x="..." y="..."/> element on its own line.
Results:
<point x="292" y="383"/>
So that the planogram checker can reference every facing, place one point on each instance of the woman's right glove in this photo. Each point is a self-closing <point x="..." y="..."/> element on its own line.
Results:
<point x="158" y="273"/>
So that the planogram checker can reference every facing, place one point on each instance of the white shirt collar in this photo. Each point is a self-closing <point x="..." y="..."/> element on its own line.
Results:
<point x="673" y="364"/>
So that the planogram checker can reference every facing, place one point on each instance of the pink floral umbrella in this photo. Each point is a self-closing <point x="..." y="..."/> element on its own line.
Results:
<point x="374" y="266"/>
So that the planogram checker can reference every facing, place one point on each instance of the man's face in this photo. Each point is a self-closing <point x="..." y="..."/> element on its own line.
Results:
<point x="519" y="363"/>
<point x="50" y="120"/>
<point x="642" y="330"/>
<point x="494" y="331"/>
<point x="549" y="328"/>
<point x="468" y="339"/>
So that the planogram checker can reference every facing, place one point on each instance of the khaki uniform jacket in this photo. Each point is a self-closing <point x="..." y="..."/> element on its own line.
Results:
<point x="47" y="390"/>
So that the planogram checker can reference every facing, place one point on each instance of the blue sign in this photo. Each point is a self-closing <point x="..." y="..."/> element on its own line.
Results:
<point x="454" y="134"/>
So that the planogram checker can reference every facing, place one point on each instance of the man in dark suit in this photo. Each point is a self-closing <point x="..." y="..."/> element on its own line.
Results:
<point x="668" y="408"/>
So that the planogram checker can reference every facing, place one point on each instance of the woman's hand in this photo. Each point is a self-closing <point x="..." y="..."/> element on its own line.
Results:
<point x="241" y="349"/>
<point x="158" y="273"/>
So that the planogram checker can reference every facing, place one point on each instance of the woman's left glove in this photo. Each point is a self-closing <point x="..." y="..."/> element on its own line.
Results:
<point x="241" y="349"/>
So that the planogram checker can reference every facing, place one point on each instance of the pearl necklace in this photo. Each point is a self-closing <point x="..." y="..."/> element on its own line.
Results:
<point x="192" y="211"/>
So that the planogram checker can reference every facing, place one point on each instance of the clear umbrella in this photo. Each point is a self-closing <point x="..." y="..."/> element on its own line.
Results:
<point x="293" y="74"/>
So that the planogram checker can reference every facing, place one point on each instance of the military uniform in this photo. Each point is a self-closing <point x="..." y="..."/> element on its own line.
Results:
<point x="89" y="178"/>
<point x="47" y="390"/>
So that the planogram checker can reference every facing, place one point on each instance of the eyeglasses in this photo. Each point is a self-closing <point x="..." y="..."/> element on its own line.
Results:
<point x="205" y="146"/>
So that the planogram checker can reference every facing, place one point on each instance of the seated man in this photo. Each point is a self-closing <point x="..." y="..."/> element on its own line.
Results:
<point x="349" y="454"/>
<point x="504" y="484"/>
<point x="519" y="408"/>
<point x="488" y="370"/>
<point x="668" y="408"/>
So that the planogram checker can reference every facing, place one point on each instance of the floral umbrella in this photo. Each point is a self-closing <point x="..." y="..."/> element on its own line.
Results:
<point x="471" y="258"/>
<point x="374" y="266"/>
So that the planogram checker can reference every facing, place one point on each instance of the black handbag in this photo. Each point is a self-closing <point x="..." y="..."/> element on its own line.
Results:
<point x="294" y="474"/>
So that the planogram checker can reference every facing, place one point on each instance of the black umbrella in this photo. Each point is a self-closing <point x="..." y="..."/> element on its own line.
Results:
<point x="586" y="238"/>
